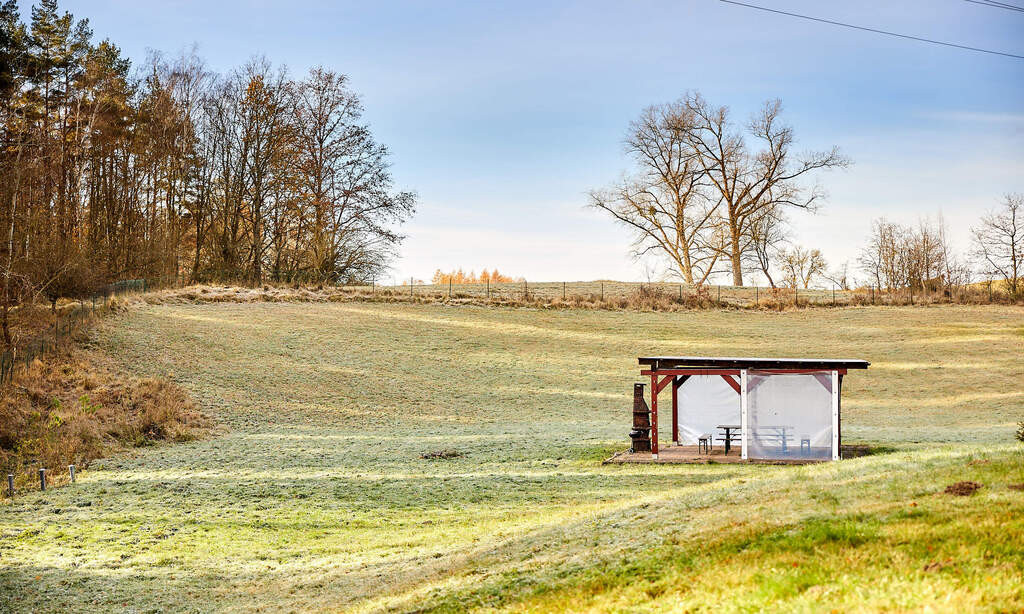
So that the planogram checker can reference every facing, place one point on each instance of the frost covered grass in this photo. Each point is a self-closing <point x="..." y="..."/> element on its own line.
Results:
<point x="317" y="496"/>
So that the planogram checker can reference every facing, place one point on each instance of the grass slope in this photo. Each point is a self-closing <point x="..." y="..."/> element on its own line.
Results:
<point x="316" y="497"/>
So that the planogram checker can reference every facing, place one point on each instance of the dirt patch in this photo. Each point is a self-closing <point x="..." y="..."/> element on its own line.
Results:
<point x="442" y="454"/>
<point x="1016" y="486"/>
<point x="962" y="489"/>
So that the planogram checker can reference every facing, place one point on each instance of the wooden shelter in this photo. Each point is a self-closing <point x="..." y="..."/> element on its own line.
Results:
<point x="776" y="409"/>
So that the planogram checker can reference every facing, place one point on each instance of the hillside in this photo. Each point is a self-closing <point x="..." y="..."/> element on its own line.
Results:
<point x="316" y="495"/>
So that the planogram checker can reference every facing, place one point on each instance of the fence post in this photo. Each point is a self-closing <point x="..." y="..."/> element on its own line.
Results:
<point x="449" y="287"/>
<point x="833" y="295"/>
<point x="719" y="294"/>
<point x="10" y="485"/>
<point x="410" y="287"/>
<point x="488" y="288"/>
<point x="42" y="478"/>
<point x="796" y="295"/>
<point x="602" y="291"/>
<point x="563" y="290"/>
<point x="526" y="291"/>
<point x="756" y="297"/>
<point x="680" y="293"/>
<point x="71" y="470"/>
<point x="990" y="290"/>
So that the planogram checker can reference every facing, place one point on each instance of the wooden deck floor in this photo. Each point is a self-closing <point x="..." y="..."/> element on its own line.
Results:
<point x="689" y="454"/>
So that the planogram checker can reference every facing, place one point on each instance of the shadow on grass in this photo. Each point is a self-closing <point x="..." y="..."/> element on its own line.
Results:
<point x="856" y="450"/>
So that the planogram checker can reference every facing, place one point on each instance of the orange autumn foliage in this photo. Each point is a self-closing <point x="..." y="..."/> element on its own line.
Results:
<point x="461" y="277"/>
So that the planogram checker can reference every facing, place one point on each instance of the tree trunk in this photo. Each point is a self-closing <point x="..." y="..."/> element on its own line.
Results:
<point x="734" y="255"/>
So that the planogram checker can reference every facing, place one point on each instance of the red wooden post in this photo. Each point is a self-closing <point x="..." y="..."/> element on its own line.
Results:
<point x="675" y="410"/>
<point x="729" y="380"/>
<point x="654" y="415"/>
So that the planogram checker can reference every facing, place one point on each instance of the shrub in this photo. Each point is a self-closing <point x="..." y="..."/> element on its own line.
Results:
<point x="75" y="407"/>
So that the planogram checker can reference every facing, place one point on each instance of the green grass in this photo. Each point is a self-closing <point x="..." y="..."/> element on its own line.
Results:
<point x="314" y="496"/>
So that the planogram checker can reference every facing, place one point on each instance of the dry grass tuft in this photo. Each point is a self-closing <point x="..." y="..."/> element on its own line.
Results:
<point x="76" y="406"/>
<point x="639" y="298"/>
<point x="620" y="296"/>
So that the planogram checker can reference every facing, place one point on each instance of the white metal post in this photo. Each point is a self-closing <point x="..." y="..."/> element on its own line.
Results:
<point x="835" y="415"/>
<point x="743" y="414"/>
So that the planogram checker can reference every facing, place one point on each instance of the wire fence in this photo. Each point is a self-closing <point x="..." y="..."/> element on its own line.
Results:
<point x="69" y="319"/>
<point x="610" y="293"/>
<point x="709" y="295"/>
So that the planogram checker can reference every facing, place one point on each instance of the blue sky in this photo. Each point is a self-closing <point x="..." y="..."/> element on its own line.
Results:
<point x="503" y="115"/>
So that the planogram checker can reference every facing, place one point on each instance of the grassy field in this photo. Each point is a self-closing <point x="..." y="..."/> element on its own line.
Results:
<point x="314" y="495"/>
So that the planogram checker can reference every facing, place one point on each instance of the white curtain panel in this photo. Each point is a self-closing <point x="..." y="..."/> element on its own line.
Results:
<point x="789" y="415"/>
<point x="705" y="401"/>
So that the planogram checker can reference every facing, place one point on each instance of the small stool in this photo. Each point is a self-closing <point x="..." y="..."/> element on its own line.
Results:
<point x="805" y="441"/>
<point x="705" y="441"/>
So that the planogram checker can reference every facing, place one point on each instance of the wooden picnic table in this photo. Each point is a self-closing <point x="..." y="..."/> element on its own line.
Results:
<point x="728" y="438"/>
<point x="779" y="434"/>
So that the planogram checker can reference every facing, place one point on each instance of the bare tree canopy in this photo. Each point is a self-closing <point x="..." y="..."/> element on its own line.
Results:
<point x="176" y="171"/>
<point x="345" y="187"/>
<point x="706" y="191"/>
<point x="666" y="202"/>
<point x="999" y="242"/>
<point x="767" y="235"/>
<point x="801" y="266"/>
<point x="752" y="178"/>
<point x="917" y="258"/>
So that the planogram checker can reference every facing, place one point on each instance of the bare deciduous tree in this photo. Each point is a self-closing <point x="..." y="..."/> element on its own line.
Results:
<point x="345" y="182"/>
<point x="999" y="242"/>
<point x="840" y="276"/>
<point x="767" y="235"/>
<point x="751" y="181"/>
<point x="666" y="202"/>
<point x="917" y="258"/>
<point x="800" y="266"/>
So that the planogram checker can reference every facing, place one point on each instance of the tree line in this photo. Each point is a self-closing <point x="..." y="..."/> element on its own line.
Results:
<point x="173" y="170"/>
<point x="458" y="276"/>
<point x="709" y="195"/>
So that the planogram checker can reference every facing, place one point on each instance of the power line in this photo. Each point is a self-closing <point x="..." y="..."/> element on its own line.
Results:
<point x="997" y="5"/>
<point x="847" y="25"/>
